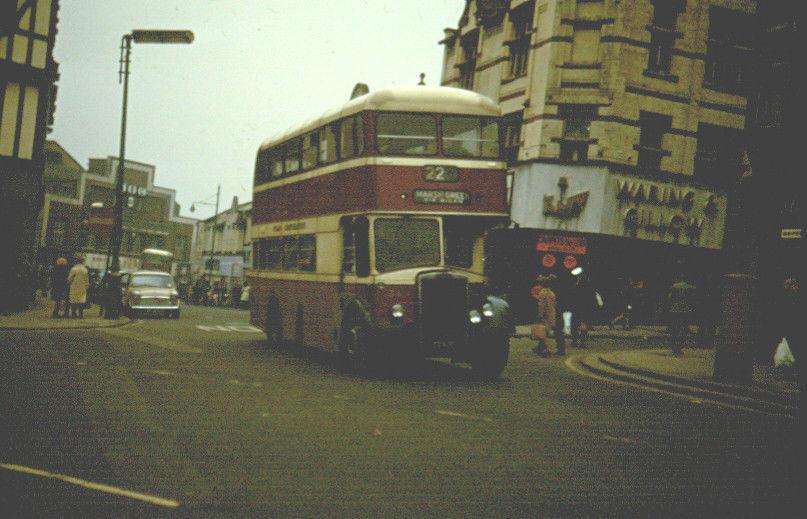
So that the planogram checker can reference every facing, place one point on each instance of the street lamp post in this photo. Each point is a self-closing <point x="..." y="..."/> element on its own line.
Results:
<point x="213" y="231"/>
<point x="137" y="36"/>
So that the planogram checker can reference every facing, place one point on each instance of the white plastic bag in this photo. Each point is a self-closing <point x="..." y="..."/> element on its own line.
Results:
<point x="783" y="358"/>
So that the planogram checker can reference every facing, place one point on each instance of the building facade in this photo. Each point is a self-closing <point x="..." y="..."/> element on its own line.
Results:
<point x="28" y="74"/>
<point x="223" y="247"/>
<point x="151" y="216"/>
<point x="621" y="123"/>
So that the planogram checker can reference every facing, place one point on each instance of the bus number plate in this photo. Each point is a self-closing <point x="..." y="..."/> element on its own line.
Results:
<point x="436" y="196"/>
<point x="441" y="174"/>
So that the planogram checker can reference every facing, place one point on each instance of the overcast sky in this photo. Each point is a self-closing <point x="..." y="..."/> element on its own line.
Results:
<point x="198" y="112"/>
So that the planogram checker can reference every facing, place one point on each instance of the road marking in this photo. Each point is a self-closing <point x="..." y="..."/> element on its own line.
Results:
<point x="570" y="363"/>
<point x="242" y="328"/>
<point x="622" y="439"/>
<point x="81" y="363"/>
<point x="152" y="341"/>
<point x="160" y="372"/>
<point x="109" y="489"/>
<point x="463" y="415"/>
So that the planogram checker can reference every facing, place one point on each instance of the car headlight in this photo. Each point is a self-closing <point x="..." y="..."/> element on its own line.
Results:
<point x="487" y="310"/>
<point x="397" y="311"/>
<point x="474" y="317"/>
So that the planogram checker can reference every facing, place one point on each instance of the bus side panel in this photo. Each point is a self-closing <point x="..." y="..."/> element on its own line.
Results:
<point x="312" y="306"/>
<point x="287" y="203"/>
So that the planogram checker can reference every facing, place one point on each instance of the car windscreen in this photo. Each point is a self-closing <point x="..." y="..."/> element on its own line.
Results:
<point x="406" y="243"/>
<point x="151" y="280"/>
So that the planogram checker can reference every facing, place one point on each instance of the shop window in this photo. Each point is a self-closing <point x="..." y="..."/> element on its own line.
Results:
<point x="718" y="154"/>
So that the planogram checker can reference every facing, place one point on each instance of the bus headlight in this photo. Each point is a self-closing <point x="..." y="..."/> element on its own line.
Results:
<point x="487" y="310"/>
<point x="474" y="317"/>
<point x="397" y="311"/>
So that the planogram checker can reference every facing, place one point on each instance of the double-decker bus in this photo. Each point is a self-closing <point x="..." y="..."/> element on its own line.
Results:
<point x="368" y="226"/>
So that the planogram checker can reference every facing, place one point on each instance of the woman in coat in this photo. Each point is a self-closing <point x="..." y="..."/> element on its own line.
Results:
<point x="547" y="308"/>
<point x="58" y="288"/>
<point x="79" y="281"/>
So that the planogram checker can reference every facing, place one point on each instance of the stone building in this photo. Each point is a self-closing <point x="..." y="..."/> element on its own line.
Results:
<point x="151" y="216"/>
<point x="621" y="126"/>
<point x="223" y="247"/>
<point x="28" y="74"/>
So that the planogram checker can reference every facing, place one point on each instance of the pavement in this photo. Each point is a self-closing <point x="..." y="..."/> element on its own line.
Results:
<point x="39" y="317"/>
<point x="770" y="390"/>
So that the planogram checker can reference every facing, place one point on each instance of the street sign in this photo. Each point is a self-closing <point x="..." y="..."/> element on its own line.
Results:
<point x="570" y="262"/>
<point x="548" y="260"/>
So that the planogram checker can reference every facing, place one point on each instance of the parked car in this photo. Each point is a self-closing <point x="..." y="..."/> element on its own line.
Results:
<point x="151" y="291"/>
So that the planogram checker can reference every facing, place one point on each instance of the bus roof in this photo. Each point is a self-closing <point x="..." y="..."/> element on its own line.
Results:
<point x="420" y="98"/>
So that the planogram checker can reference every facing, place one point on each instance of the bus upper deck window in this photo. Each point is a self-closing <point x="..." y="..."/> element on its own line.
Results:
<point x="407" y="134"/>
<point x="327" y="145"/>
<point x="470" y="137"/>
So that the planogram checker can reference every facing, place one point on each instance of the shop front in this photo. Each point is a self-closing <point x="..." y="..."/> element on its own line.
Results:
<point x="621" y="230"/>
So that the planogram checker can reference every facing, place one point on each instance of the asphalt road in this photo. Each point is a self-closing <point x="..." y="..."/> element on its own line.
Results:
<point x="196" y="417"/>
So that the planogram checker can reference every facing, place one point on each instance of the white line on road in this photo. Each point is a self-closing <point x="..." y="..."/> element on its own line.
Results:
<point x="463" y="415"/>
<point x="109" y="489"/>
<point x="152" y="341"/>
<point x="161" y="372"/>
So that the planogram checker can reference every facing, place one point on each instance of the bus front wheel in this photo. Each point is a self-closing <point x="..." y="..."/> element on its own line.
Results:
<point x="354" y="345"/>
<point x="274" y="324"/>
<point x="491" y="358"/>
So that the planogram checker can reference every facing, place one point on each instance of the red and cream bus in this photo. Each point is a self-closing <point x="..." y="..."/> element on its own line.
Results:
<point x="368" y="226"/>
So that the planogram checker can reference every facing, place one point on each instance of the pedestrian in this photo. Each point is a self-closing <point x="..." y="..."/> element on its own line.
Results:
<point x="680" y="309"/>
<point x="547" y="315"/>
<point x="236" y="294"/>
<point x="79" y="280"/>
<point x="583" y="304"/>
<point x="58" y="288"/>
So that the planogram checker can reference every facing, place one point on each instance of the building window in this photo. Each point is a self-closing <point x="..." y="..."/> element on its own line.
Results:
<point x="521" y="23"/>
<point x="653" y="127"/>
<point x="665" y="13"/>
<point x="511" y="136"/>
<point x="58" y="231"/>
<point x="659" y="57"/>
<point x="576" y="131"/>
<point x="718" y="154"/>
<point x="728" y="50"/>
<point x="468" y="47"/>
